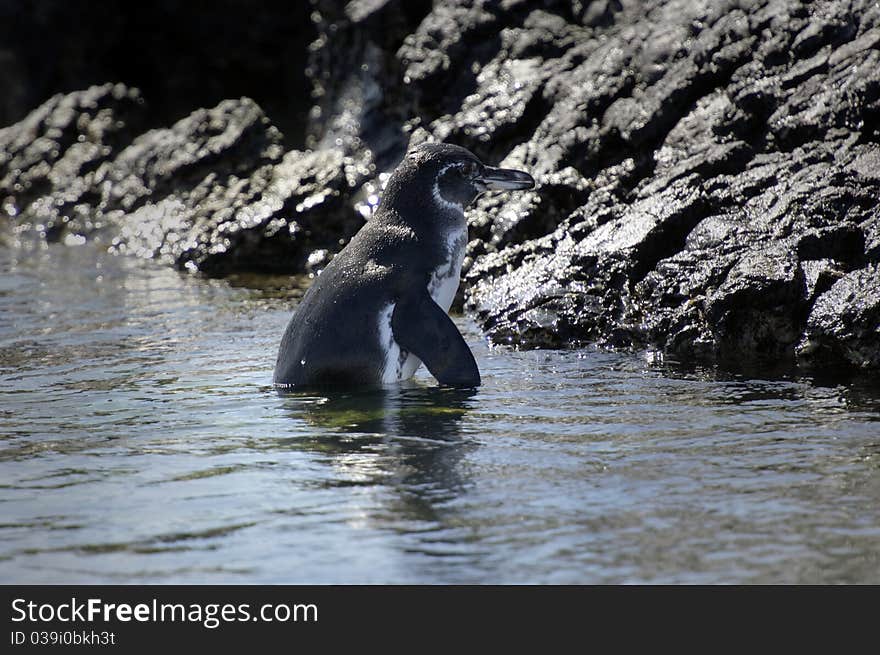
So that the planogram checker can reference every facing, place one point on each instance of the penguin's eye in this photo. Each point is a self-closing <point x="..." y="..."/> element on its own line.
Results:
<point x="469" y="169"/>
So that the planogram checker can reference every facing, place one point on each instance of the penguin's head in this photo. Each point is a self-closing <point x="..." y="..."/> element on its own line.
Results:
<point x="448" y="178"/>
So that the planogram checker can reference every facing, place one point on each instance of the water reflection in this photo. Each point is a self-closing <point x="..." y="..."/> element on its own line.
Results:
<point x="404" y="411"/>
<point x="141" y="441"/>
<point x="858" y="390"/>
<point x="750" y="382"/>
<point x="406" y="438"/>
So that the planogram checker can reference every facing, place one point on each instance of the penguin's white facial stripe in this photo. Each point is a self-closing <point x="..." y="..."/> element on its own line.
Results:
<point x="438" y="195"/>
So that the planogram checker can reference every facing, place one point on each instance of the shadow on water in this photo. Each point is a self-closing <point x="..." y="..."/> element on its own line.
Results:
<point x="407" y="439"/>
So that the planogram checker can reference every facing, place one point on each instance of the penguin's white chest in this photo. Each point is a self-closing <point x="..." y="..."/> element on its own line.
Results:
<point x="442" y="286"/>
<point x="444" y="280"/>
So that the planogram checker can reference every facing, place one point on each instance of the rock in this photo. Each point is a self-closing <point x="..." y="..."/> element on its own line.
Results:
<point x="228" y="141"/>
<point x="357" y="83"/>
<point x="744" y="281"/>
<point x="213" y="193"/>
<point x="751" y="190"/>
<point x="751" y="312"/>
<point x="437" y="57"/>
<point x="63" y="140"/>
<point x="819" y="275"/>
<point x="844" y="323"/>
<point x="573" y="286"/>
<point x="276" y="220"/>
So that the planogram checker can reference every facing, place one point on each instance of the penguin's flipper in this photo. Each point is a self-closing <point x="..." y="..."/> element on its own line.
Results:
<point x="421" y="327"/>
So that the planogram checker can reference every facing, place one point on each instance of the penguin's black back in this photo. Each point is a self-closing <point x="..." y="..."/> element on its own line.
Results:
<point x="333" y="337"/>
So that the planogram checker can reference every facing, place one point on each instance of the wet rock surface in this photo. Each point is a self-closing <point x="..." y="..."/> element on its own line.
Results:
<point x="844" y="322"/>
<point x="64" y="140"/>
<point x="708" y="173"/>
<point x="215" y="192"/>
<point x="731" y="197"/>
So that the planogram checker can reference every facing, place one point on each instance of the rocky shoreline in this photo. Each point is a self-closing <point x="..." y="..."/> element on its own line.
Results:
<point x="708" y="174"/>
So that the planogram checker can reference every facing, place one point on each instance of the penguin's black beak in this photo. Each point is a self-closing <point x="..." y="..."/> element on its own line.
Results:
<point x="505" y="179"/>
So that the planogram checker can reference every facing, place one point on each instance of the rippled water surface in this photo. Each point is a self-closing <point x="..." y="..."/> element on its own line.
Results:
<point x="141" y="441"/>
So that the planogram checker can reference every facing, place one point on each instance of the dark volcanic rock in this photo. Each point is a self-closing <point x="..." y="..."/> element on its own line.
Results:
<point x="63" y="140"/>
<point x="574" y="285"/>
<point x="357" y="82"/>
<point x="844" y="323"/>
<point x="271" y="220"/>
<point x="214" y="192"/>
<point x="707" y="173"/>
<point x="731" y="162"/>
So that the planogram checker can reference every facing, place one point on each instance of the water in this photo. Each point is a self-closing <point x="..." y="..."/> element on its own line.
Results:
<point x="141" y="441"/>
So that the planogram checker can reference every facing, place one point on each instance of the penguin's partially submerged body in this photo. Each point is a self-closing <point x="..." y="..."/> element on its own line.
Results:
<point x="379" y="308"/>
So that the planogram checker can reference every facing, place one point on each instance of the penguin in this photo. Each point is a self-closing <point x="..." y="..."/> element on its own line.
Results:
<point x="379" y="309"/>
